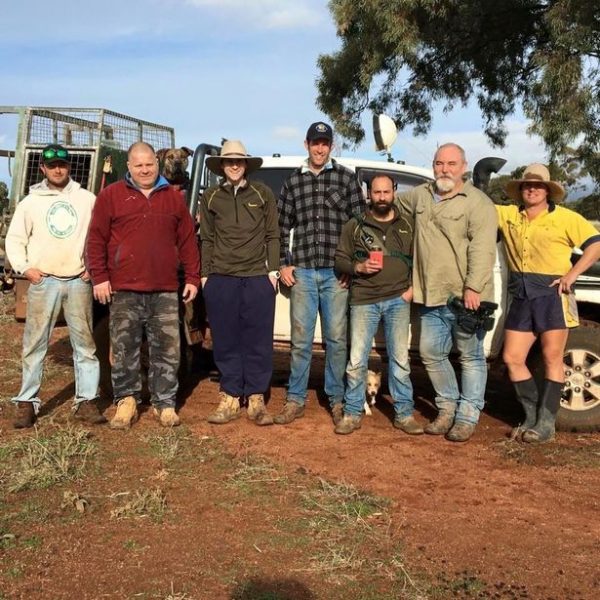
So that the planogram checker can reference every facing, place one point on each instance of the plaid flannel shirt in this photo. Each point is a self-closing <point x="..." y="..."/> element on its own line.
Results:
<point x="316" y="207"/>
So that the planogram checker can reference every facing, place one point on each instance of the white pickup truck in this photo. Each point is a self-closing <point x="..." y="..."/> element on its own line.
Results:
<point x="580" y="407"/>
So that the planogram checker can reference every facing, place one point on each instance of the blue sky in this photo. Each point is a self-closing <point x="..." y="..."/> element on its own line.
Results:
<point x="241" y="69"/>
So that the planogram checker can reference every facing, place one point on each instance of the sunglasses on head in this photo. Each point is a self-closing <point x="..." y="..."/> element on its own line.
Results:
<point x="50" y="153"/>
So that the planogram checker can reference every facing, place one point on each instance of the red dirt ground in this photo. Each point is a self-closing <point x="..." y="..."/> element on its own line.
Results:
<point x="524" y="520"/>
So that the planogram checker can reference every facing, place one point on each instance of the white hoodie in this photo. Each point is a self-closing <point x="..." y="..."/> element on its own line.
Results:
<point x="48" y="230"/>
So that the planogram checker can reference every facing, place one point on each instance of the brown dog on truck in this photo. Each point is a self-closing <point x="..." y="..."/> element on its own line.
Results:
<point x="174" y="164"/>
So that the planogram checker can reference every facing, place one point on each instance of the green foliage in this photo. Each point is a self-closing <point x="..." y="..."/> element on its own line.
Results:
<point x="402" y="56"/>
<point x="3" y="197"/>
<point x="589" y="207"/>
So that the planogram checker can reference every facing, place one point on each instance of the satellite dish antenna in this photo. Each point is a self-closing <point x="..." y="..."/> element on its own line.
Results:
<point x="385" y="133"/>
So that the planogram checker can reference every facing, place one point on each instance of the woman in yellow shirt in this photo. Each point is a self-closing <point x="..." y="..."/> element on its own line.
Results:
<point x="538" y="237"/>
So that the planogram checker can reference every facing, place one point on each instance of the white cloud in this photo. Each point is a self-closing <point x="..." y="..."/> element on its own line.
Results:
<point x="267" y="14"/>
<point x="287" y="133"/>
<point x="521" y="148"/>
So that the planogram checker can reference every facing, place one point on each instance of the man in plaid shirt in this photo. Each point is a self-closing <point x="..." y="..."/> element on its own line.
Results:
<point x="316" y="200"/>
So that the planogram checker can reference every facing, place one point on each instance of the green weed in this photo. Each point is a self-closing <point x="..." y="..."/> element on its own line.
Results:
<point x="344" y="502"/>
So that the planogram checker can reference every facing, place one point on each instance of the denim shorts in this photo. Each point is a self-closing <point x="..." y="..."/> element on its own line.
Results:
<point x="543" y="313"/>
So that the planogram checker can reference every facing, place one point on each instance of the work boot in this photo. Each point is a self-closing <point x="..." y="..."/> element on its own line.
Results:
<point x="126" y="414"/>
<point x="528" y="397"/>
<point x="291" y="410"/>
<point x="228" y="409"/>
<point x="442" y="424"/>
<point x="348" y="424"/>
<point x="25" y="416"/>
<point x="544" y="429"/>
<point x="460" y="432"/>
<point x="337" y="413"/>
<point x="409" y="425"/>
<point x="257" y="411"/>
<point x="89" y="412"/>
<point x="167" y="417"/>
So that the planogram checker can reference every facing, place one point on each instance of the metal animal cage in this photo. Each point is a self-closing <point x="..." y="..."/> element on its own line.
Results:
<point x="90" y="135"/>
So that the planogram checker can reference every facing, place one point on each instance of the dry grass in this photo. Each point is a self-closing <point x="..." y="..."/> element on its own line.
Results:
<point x="7" y="307"/>
<point x="251" y="472"/>
<point x="169" y="445"/>
<point x="146" y="503"/>
<point x="48" y="458"/>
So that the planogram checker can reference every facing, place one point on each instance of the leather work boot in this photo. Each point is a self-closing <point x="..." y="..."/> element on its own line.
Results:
<point x="348" y="424"/>
<point x="88" y="412"/>
<point x="528" y="397"/>
<point x="257" y="411"/>
<point x="409" y="425"/>
<point x="441" y="425"/>
<point x="291" y="410"/>
<point x="126" y="414"/>
<point x="228" y="409"/>
<point x="460" y="432"/>
<point x="167" y="417"/>
<point x="337" y="413"/>
<point x="543" y="431"/>
<point x="25" y="416"/>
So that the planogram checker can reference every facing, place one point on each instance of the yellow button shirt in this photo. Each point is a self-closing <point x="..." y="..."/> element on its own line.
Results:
<point x="540" y="250"/>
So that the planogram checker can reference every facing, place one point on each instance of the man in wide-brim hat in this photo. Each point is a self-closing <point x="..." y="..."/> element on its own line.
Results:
<point x="233" y="150"/>
<point x="240" y="260"/>
<point x="536" y="173"/>
<point x="538" y="238"/>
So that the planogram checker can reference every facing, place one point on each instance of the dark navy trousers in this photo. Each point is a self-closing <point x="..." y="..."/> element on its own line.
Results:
<point x="241" y="311"/>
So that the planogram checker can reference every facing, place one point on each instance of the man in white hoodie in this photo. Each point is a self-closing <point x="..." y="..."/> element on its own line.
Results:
<point x="45" y="243"/>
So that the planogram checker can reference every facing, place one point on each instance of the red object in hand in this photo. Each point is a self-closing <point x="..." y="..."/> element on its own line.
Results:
<point x="376" y="256"/>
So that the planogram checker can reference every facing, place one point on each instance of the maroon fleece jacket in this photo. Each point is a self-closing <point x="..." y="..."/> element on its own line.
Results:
<point x="138" y="243"/>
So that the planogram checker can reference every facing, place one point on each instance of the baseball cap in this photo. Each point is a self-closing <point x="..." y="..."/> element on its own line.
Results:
<point x="55" y="153"/>
<point x="319" y="131"/>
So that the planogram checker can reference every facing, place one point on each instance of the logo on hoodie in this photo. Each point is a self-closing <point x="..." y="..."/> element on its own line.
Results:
<point x="61" y="219"/>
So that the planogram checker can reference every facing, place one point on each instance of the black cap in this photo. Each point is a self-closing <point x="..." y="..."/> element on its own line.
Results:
<point x="55" y="153"/>
<point x="319" y="131"/>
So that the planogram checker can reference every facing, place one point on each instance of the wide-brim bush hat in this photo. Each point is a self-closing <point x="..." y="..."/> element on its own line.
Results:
<point x="538" y="173"/>
<point x="233" y="149"/>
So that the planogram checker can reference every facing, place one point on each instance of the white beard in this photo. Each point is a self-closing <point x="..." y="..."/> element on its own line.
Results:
<point x="444" y="184"/>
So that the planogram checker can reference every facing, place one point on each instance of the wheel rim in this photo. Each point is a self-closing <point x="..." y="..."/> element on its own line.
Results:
<point x="582" y="380"/>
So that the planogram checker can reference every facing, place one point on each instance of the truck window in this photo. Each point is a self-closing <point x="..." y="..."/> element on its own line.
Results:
<point x="272" y="176"/>
<point x="404" y="181"/>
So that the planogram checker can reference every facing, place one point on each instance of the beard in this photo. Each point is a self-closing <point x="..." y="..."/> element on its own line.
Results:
<point x="381" y="209"/>
<point x="444" y="184"/>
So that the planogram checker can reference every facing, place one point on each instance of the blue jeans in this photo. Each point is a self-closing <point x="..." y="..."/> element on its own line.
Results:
<point x="438" y="331"/>
<point x="364" y="320"/>
<point x="44" y="302"/>
<point x="318" y="291"/>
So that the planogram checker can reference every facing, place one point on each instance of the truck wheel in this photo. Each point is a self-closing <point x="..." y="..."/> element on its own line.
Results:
<point x="580" y="406"/>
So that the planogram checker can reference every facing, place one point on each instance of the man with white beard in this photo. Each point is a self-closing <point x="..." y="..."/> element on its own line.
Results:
<point x="454" y="255"/>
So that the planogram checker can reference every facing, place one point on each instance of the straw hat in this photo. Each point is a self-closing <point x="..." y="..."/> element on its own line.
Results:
<point x="536" y="172"/>
<point x="232" y="149"/>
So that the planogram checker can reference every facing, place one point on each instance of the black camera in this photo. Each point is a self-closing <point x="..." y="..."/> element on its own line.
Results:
<point x="470" y="320"/>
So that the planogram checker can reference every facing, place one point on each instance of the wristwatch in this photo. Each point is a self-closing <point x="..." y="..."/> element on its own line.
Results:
<point x="275" y="274"/>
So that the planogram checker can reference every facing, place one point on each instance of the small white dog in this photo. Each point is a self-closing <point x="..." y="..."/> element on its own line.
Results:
<point x="373" y="385"/>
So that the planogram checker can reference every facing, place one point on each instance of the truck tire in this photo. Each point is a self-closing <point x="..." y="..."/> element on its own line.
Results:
<point x="580" y="405"/>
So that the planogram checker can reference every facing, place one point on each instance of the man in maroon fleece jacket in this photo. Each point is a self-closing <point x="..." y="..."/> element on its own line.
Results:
<point x="140" y="234"/>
